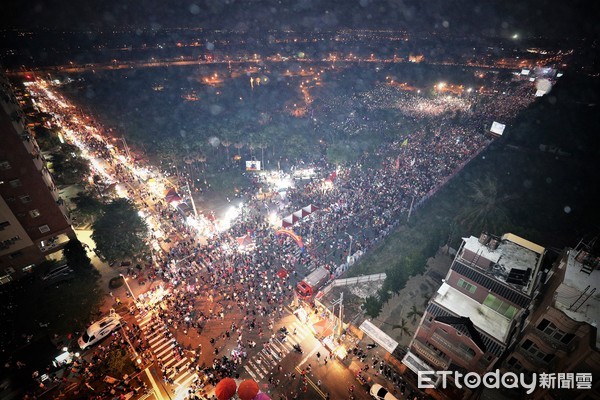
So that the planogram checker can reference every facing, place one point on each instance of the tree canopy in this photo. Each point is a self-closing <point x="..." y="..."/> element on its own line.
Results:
<point x="76" y="255"/>
<point x="87" y="204"/>
<point x="119" y="232"/>
<point x="67" y="166"/>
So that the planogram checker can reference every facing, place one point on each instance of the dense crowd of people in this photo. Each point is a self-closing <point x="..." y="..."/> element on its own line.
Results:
<point x="232" y="293"/>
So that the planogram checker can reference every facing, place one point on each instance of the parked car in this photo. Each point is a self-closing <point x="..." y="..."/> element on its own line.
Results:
<point x="99" y="330"/>
<point x="56" y="272"/>
<point x="380" y="393"/>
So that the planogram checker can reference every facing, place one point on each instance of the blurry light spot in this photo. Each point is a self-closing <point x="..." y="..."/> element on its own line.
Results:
<point x="567" y="209"/>
<point x="194" y="9"/>
<point x="445" y="24"/>
<point x="216" y="109"/>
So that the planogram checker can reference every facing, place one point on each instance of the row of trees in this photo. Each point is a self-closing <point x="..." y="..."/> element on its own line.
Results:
<point x="483" y="208"/>
<point x="118" y="230"/>
<point x="64" y="159"/>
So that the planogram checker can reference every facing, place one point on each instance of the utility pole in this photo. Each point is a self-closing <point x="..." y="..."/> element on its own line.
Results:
<point x="187" y="185"/>
<point x="410" y="210"/>
<point x="349" y="249"/>
<point x="126" y="147"/>
<point x="341" y="312"/>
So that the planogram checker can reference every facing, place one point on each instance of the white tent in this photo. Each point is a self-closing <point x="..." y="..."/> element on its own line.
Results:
<point x="310" y="209"/>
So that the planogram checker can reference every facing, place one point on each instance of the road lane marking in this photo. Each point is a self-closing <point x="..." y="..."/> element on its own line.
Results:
<point x="314" y="385"/>
<point x="157" y="392"/>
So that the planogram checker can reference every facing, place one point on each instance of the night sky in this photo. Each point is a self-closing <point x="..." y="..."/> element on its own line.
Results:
<point x="548" y="18"/>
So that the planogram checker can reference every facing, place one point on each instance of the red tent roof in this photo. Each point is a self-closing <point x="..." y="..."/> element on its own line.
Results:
<point x="310" y="209"/>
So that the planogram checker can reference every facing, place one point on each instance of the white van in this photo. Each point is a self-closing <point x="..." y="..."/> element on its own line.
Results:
<point x="378" y="392"/>
<point x="99" y="330"/>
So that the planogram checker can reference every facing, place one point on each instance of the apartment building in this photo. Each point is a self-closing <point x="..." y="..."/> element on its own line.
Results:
<point x="480" y="308"/>
<point x="34" y="221"/>
<point x="560" y="336"/>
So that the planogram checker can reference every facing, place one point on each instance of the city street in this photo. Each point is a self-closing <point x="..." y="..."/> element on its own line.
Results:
<point x="206" y="306"/>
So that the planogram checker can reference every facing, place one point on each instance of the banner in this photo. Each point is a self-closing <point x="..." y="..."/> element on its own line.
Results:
<point x="252" y="165"/>
<point x="497" y="128"/>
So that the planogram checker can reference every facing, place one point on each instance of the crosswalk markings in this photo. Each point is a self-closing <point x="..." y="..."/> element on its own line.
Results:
<point x="250" y="372"/>
<point x="162" y="345"/>
<point x="259" y="365"/>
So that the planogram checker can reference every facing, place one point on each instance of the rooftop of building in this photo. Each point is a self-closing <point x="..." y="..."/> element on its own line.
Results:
<point x="579" y="296"/>
<point x="514" y="261"/>
<point x="484" y="318"/>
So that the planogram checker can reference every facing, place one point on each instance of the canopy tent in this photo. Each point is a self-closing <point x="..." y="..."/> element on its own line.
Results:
<point x="310" y="209"/>
<point x="287" y="221"/>
<point x="298" y="215"/>
<point x="172" y="196"/>
<point x="245" y="240"/>
<point x="324" y="328"/>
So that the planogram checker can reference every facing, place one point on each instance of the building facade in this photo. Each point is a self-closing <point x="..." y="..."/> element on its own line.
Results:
<point x="479" y="310"/>
<point x="560" y="336"/>
<point x="34" y="221"/>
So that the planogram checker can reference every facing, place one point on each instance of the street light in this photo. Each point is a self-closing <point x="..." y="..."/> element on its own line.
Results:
<point x="129" y="288"/>
<point x="349" y="249"/>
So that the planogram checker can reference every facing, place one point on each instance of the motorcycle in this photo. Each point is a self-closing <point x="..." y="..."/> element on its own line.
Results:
<point x="283" y="330"/>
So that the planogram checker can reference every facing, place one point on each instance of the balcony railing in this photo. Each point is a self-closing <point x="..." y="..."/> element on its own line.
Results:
<point x="430" y="355"/>
<point x="452" y="347"/>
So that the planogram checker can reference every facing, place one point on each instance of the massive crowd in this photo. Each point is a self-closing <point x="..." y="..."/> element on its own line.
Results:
<point x="232" y="295"/>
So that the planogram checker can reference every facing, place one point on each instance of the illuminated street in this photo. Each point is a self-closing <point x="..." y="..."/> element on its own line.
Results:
<point x="278" y="200"/>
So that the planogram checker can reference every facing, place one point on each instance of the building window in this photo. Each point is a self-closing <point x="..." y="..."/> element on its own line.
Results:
<point x="466" y="285"/>
<point x="4" y="225"/>
<point x="5" y="244"/>
<point x="536" y="352"/>
<point x="500" y="306"/>
<point x="25" y="199"/>
<point x="44" y="228"/>
<point x="514" y="365"/>
<point x="552" y="330"/>
<point x="34" y="213"/>
<point x="15" y="183"/>
<point x="466" y="349"/>
<point x="4" y="165"/>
